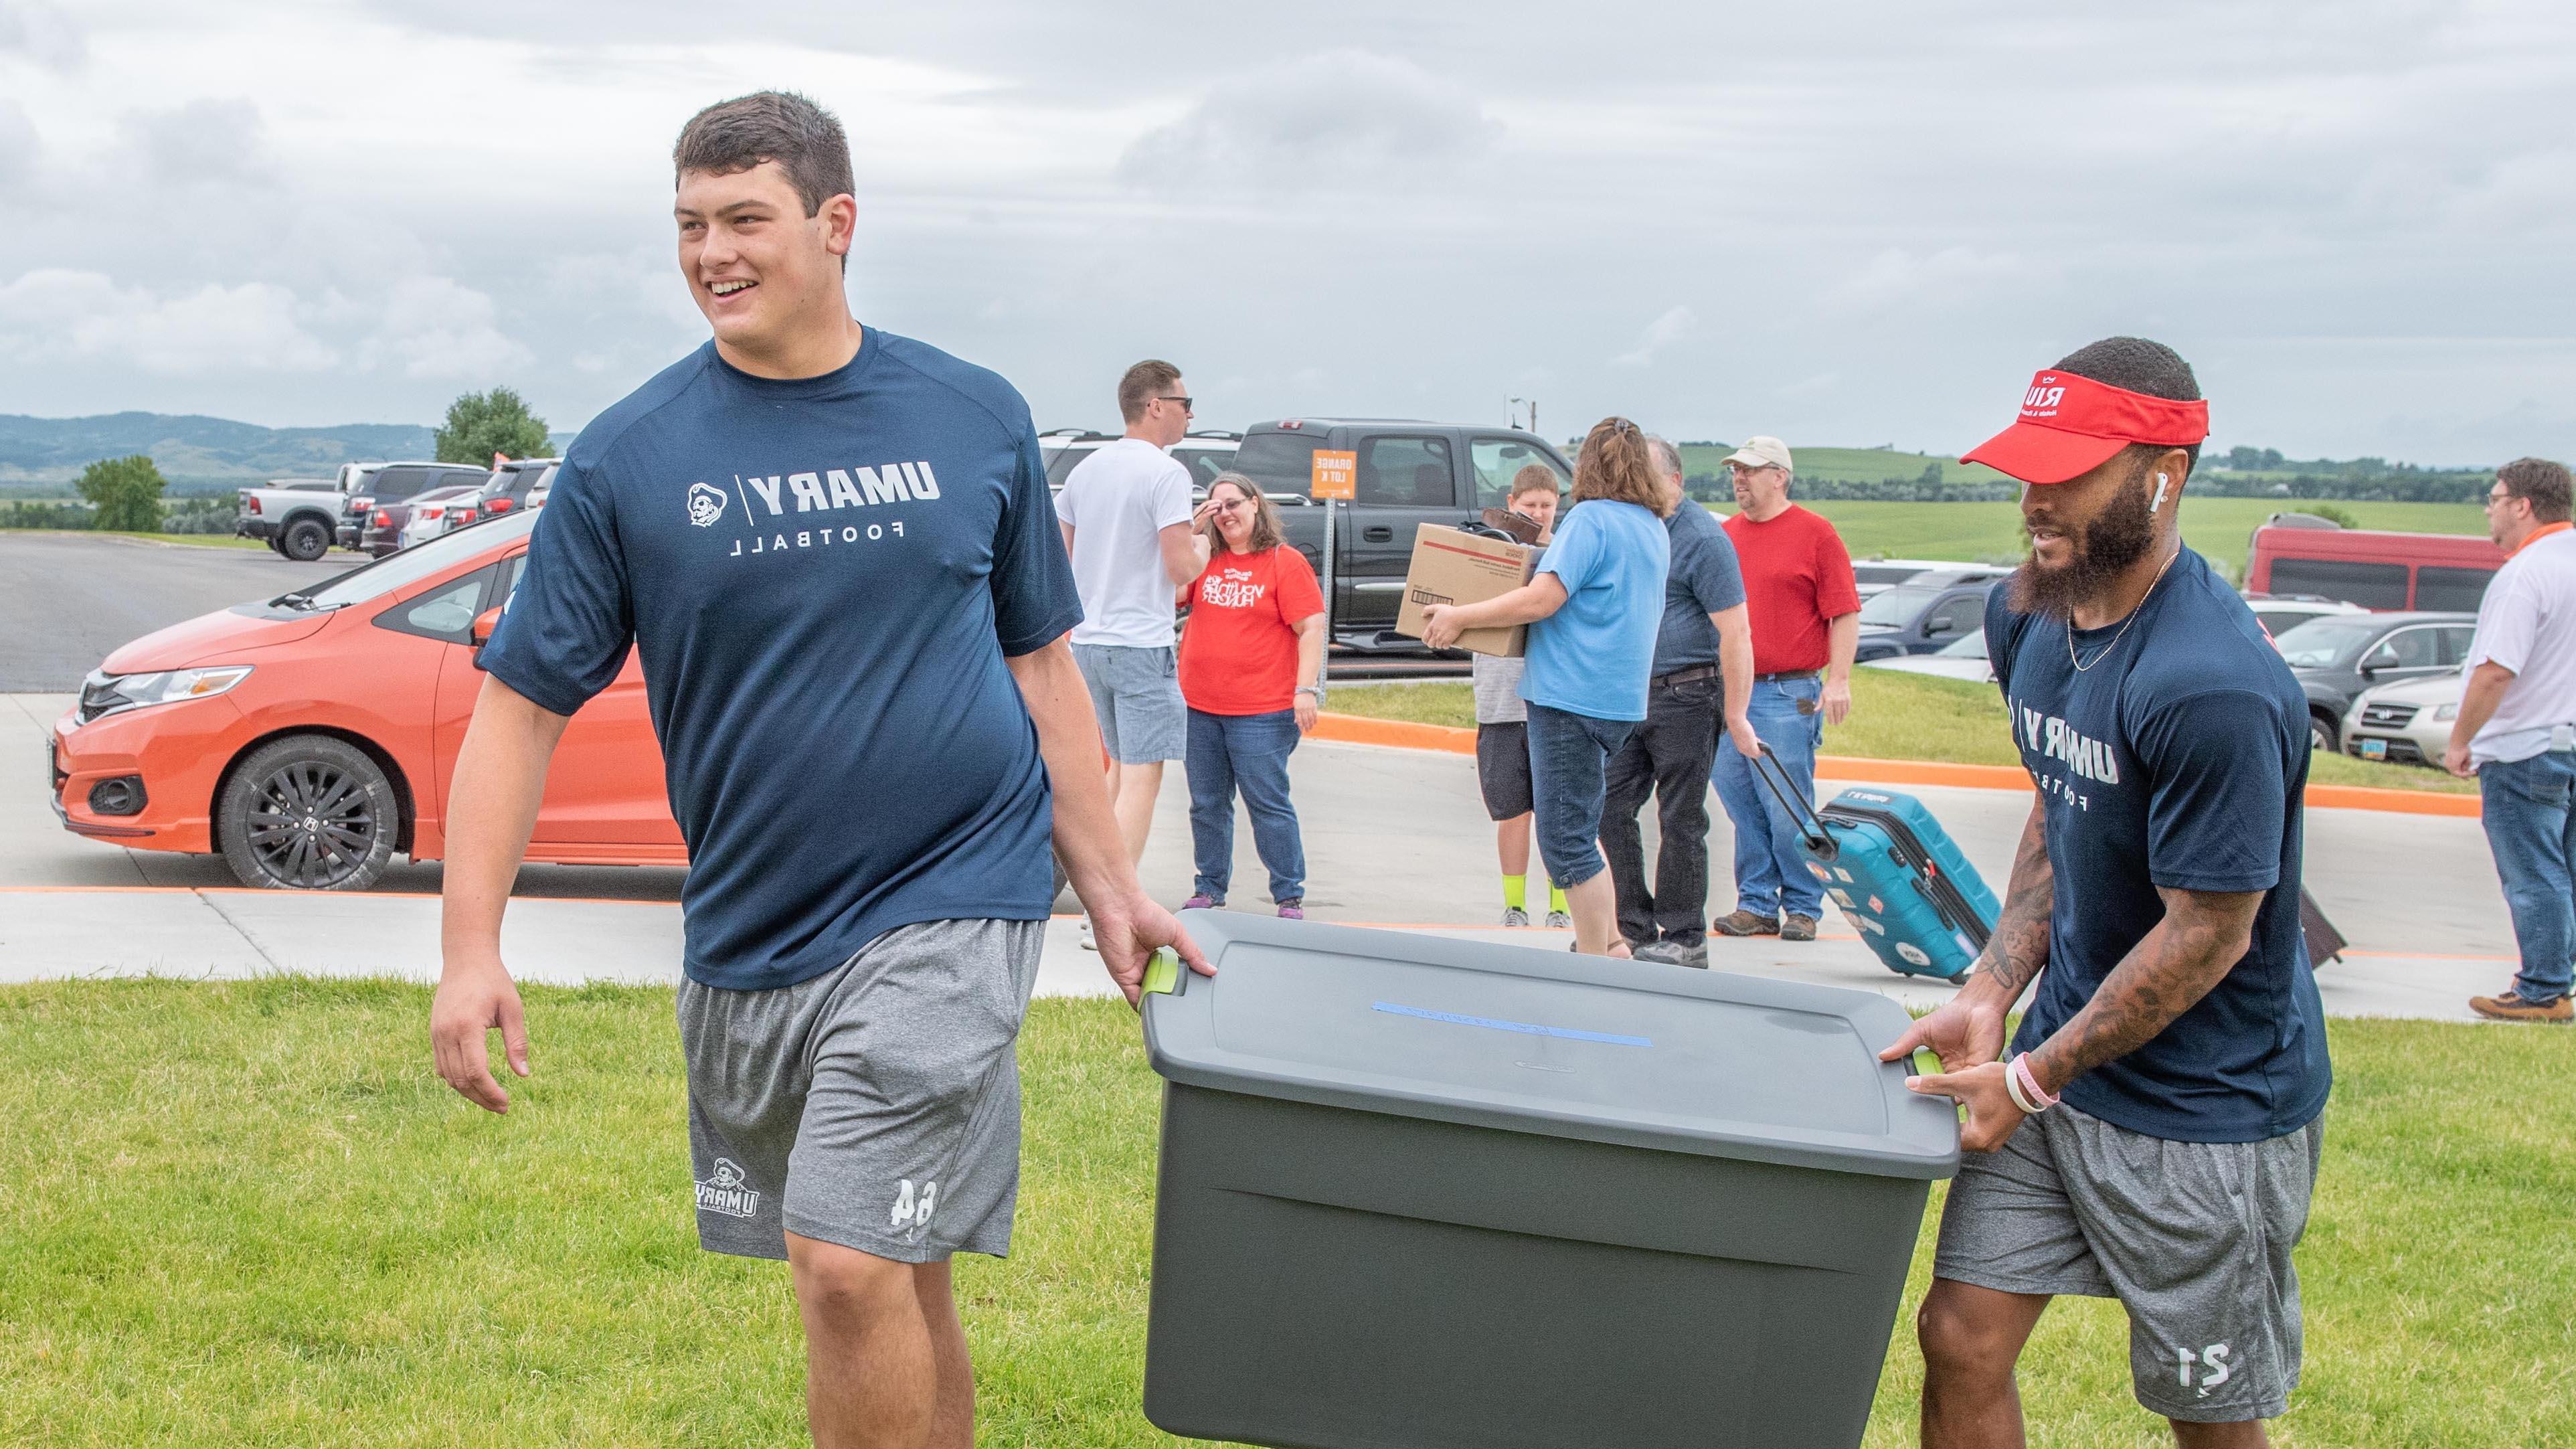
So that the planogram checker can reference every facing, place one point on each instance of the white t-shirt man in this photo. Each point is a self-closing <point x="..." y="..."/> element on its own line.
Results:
<point x="1118" y="501"/>
<point x="2527" y="623"/>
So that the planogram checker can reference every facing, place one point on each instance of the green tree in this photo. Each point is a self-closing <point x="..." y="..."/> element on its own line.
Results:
<point x="124" y="493"/>
<point x="2342" y="517"/>
<point x="480" y="424"/>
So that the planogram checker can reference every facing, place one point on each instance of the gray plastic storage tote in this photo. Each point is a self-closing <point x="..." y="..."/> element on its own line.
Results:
<point x="1418" y="1193"/>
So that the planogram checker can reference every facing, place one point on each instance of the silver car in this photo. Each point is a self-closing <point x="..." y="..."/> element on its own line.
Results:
<point x="2408" y="722"/>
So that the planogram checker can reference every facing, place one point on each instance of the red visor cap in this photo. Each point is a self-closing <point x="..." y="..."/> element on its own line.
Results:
<point x="2071" y="425"/>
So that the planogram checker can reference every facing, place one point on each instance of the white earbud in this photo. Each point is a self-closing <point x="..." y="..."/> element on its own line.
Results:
<point x="2159" y="500"/>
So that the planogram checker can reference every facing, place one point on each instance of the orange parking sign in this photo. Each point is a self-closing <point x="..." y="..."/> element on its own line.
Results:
<point x="1336" y="475"/>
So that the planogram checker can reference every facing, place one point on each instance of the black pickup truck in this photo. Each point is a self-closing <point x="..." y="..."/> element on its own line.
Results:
<point x="1409" y="473"/>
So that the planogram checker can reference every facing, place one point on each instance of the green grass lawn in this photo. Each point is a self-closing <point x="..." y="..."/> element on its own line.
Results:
<point x="246" y="1214"/>
<point x="1895" y="716"/>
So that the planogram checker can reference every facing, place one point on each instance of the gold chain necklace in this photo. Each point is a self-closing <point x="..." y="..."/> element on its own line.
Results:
<point x="2081" y="667"/>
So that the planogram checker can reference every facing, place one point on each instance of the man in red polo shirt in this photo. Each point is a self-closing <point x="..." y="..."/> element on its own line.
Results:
<point x="1805" y="612"/>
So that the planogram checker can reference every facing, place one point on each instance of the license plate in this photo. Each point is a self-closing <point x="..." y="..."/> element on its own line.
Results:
<point x="2374" y="749"/>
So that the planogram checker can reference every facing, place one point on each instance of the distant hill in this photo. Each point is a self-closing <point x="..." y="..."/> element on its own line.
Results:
<point x="41" y="454"/>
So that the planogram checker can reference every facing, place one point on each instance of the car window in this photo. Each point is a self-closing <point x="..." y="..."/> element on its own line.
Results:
<point x="1499" y="460"/>
<point x="1879" y="573"/>
<point x="2455" y="643"/>
<point x="394" y="485"/>
<point x="1406" y="472"/>
<point x="2275" y="621"/>
<point x="1968" y="611"/>
<point x="397" y="571"/>
<point x="2371" y="585"/>
<point x="1062" y="463"/>
<point x="1893" y="608"/>
<point x="1204" y="464"/>
<point x="446" y="612"/>
<point x="2440" y="587"/>
<point x="1279" y="462"/>
<point x="2326" y="643"/>
<point x="2407" y="649"/>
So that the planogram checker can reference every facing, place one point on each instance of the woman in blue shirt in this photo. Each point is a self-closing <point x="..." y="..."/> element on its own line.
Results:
<point x="1592" y="610"/>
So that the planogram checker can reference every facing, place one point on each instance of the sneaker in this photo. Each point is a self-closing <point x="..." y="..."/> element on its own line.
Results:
<point x="1560" y="920"/>
<point x="1201" y="903"/>
<point x="1745" y="923"/>
<point x="2512" y="1007"/>
<point x="1292" y="910"/>
<point x="1798" y="928"/>
<point x="1088" y="944"/>
<point x="1515" y="916"/>
<point x="1675" y="953"/>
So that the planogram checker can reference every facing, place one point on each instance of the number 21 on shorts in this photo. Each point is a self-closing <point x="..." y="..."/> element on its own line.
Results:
<point x="2213" y="1360"/>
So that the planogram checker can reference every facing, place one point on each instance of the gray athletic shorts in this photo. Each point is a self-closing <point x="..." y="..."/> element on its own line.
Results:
<point x="1137" y="694"/>
<point x="876" y="1106"/>
<point x="2193" y="1238"/>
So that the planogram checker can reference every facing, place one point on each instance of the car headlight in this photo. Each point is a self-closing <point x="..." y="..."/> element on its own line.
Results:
<point x="2446" y="711"/>
<point x="103" y="693"/>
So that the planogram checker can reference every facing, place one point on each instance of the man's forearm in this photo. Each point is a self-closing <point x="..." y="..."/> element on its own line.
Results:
<point x="1842" y="644"/>
<point x="2018" y="949"/>
<point x="1735" y="659"/>
<point x="1087" y="838"/>
<point x="491" y="811"/>
<point x="2202" y="937"/>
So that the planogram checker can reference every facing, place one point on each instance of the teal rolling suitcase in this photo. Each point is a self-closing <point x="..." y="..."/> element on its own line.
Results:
<point x="1898" y="877"/>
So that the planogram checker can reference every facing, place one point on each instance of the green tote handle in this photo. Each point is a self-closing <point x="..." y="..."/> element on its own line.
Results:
<point x="1163" y="972"/>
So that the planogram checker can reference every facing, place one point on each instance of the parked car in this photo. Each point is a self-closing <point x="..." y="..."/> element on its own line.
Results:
<point x="2408" y="722"/>
<point x="2278" y="612"/>
<point x="2341" y="655"/>
<point x="1920" y="618"/>
<point x="1872" y="575"/>
<point x="379" y="500"/>
<point x="1205" y="454"/>
<point x="2299" y="553"/>
<point x="1963" y="658"/>
<point x="310" y="737"/>
<point x="1408" y="473"/>
<point x="511" y="486"/>
<point x="296" y="517"/>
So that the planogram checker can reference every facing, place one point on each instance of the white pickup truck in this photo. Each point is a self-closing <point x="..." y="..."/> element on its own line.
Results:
<point x="295" y="516"/>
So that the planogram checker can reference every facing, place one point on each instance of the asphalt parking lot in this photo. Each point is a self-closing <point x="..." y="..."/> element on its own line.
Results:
<point x="1394" y="838"/>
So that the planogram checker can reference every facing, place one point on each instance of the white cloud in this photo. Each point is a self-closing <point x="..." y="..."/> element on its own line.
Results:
<point x="253" y="327"/>
<point x="17" y="144"/>
<point x="436" y="327"/>
<point x="204" y="142"/>
<point x="1337" y="119"/>
<point x="1948" y="277"/>
<point x="1675" y="324"/>
<point x="41" y="32"/>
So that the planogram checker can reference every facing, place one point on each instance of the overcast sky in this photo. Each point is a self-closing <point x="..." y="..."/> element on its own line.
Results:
<point x="1841" y="223"/>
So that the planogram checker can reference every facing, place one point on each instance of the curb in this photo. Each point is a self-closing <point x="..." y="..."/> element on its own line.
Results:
<point x="1355" y="729"/>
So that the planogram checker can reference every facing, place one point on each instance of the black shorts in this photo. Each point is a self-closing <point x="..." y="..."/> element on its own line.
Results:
<point x="1503" y="769"/>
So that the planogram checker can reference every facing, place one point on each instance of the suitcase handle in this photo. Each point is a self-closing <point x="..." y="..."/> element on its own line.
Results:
<point x="1800" y="812"/>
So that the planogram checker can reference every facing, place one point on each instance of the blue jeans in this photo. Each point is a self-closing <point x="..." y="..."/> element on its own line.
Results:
<point x="2532" y="831"/>
<point x="1771" y="878"/>
<point x="1569" y="778"/>
<point x="1249" y="752"/>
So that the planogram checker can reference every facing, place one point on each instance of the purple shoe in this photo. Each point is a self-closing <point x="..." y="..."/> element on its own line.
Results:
<point x="1200" y="903"/>
<point x="1292" y="910"/>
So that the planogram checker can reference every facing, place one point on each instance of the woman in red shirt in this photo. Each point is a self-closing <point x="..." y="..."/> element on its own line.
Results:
<point x="1250" y="658"/>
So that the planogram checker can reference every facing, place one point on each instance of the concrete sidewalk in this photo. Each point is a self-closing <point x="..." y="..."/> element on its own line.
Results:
<point x="1394" y="838"/>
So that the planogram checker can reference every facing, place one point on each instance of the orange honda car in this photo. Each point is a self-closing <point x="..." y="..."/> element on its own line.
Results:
<point x="308" y="738"/>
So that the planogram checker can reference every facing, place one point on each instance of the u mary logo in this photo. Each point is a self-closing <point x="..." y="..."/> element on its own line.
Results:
<point x="706" y="503"/>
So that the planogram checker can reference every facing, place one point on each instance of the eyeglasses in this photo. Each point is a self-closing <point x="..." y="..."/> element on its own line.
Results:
<point x="2495" y="498"/>
<point x="1187" y="404"/>
<point x="1228" y="505"/>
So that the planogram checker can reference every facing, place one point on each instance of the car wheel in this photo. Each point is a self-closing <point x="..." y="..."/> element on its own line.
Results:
<point x="2321" y="733"/>
<point x="308" y="812"/>
<point x="304" y="541"/>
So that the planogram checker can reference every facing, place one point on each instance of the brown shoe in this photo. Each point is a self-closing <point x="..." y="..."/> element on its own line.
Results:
<point x="1798" y="928"/>
<point x="1745" y="923"/>
<point x="2511" y="1007"/>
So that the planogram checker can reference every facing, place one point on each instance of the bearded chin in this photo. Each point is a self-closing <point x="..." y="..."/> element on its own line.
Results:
<point x="2104" y="549"/>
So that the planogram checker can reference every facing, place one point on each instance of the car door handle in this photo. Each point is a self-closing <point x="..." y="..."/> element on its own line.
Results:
<point x="1379" y="533"/>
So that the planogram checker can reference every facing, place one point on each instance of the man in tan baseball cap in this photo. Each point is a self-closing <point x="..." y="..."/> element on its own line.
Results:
<point x="1761" y="452"/>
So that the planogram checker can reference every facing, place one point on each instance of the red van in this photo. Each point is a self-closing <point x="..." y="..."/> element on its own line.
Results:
<point x="2371" y="568"/>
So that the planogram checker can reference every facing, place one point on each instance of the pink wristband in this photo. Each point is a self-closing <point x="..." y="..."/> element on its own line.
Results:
<point x="2030" y="1082"/>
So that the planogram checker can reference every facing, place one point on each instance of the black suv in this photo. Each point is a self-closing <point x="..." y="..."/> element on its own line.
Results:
<point x="1924" y="614"/>
<point x="2340" y="655"/>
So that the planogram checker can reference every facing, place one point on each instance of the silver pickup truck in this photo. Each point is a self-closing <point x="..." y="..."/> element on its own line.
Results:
<point x="295" y="516"/>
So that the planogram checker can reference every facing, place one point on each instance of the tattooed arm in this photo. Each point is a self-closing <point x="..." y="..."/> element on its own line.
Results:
<point x="1968" y="1030"/>
<point x="2202" y="937"/>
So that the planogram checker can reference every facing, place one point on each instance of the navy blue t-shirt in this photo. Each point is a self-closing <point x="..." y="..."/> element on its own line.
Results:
<point x="1703" y="579"/>
<point x="824" y="576"/>
<point x="2176" y="758"/>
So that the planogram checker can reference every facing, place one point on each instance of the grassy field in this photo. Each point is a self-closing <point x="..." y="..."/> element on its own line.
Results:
<point x="1868" y="465"/>
<point x="1895" y="716"/>
<point x="2217" y="527"/>
<point x="199" y="540"/>
<point x="246" y="1214"/>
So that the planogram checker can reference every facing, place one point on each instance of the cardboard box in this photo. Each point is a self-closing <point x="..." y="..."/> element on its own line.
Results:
<point x="1454" y="567"/>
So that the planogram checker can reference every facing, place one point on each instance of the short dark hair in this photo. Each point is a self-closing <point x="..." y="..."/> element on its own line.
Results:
<point x="2135" y="364"/>
<point x="2540" y="483"/>
<point x="804" y="139"/>
<point x="1142" y="384"/>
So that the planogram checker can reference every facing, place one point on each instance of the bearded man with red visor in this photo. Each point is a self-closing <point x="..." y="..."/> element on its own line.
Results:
<point x="2152" y="1133"/>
